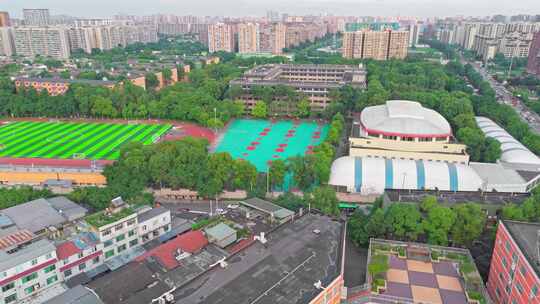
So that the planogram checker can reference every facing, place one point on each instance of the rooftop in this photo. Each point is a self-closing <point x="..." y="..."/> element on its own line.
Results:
<point x="526" y="236"/>
<point x="261" y="205"/>
<point x="219" y="231"/>
<point x="25" y="253"/>
<point x="422" y="273"/>
<point x="61" y="80"/>
<point x="166" y="253"/>
<point x="404" y="118"/>
<point x="154" y="212"/>
<point x="41" y="213"/>
<point x="103" y="218"/>
<point x="250" y="276"/>
<point x="128" y="282"/>
<point x="76" y="295"/>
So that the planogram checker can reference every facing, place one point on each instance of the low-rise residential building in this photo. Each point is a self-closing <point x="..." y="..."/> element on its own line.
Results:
<point x="514" y="273"/>
<point x="27" y="270"/>
<point x="274" y="213"/>
<point x="57" y="86"/>
<point x="80" y="254"/>
<point x="116" y="228"/>
<point x="153" y="223"/>
<point x="221" y="234"/>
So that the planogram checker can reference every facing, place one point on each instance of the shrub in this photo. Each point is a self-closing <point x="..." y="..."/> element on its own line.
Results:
<point x="378" y="265"/>
<point x="435" y="255"/>
<point x="377" y="283"/>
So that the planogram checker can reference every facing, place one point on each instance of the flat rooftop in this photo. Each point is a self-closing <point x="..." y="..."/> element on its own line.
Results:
<point x="283" y="271"/>
<point x="526" y="237"/>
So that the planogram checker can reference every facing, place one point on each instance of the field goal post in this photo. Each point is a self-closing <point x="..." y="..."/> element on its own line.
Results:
<point x="78" y="156"/>
<point x="54" y="120"/>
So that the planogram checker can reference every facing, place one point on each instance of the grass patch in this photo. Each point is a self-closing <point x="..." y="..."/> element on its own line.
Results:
<point x="209" y="222"/>
<point x="101" y="219"/>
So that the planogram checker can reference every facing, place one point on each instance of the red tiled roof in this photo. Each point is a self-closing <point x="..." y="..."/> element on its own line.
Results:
<point x="27" y="272"/>
<point x="191" y="242"/>
<point x="67" y="249"/>
<point x="86" y="258"/>
<point x="15" y="238"/>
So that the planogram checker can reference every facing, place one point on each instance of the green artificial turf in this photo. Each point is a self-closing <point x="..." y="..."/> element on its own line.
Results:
<point x="66" y="140"/>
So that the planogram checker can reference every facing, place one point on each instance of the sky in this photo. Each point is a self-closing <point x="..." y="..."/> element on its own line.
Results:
<point x="236" y="8"/>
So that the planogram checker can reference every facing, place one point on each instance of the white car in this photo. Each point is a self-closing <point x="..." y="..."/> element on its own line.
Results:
<point x="233" y="206"/>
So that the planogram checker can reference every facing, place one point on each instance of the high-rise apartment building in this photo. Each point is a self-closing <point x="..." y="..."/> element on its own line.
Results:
<point x="279" y="32"/>
<point x="36" y="17"/>
<point x="44" y="41"/>
<point x="220" y="37"/>
<point x="7" y="47"/>
<point x="414" y="33"/>
<point x="108" y="37"/>
<point x="379" y="45"/>
<point x="4" y="19"/>
<point x="248" y="38"/>
<point x="533" y="64"/>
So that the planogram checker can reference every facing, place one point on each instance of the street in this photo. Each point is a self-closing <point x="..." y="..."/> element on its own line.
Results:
<point x="506" y="97"/>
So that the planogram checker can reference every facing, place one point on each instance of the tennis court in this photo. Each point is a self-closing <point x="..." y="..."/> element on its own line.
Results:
<point x="261" y="141"/>
<point x="73" y="140"/>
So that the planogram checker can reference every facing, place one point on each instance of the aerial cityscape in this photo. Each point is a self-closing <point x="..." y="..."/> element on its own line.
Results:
<point x="308" y="152"/>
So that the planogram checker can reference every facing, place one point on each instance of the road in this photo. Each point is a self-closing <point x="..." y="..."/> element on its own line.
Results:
<point x="506" y="97"/>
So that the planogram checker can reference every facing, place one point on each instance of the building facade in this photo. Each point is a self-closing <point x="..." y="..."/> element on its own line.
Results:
<point x="44" y="41"/>
<point x="119" y="235"/>
<point x="27" y="270"/>
<point x="36" y="17"/>
<point x="57" y="86"/>
<point x="514" y="273"/>
<point x="4" y="19"/>
<point x="80" y="254"/>
<point x="248" y="38"/>
<point x="379" y="45"/>
<point x="313" y="81"/>
<point x="533" y="63"/>
<point x="7" y="46"/>
<point x="221" y="38"/>
<point x="153" y="223"/>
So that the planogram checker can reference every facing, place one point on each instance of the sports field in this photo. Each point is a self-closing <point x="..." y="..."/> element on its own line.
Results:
<point x="73" y="140"/>
<point x="261" y="141"/>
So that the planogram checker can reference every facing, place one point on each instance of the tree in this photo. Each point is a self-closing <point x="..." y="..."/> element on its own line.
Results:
<point x="277" y="172"/>
<point x="403" y="221"/>
<point x="245" y="175"/>
<point x="324" y="198"/>
<point x="303" y="108"/>
<point x="438" y="223"/>
<point x="428" y="203"/>
<point x="151" y="81"/>
<point x="259" y="110"/>
<point x="469" y="224"/>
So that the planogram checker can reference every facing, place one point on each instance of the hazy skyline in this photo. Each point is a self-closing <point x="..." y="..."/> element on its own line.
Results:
<point x="421" y="8"/>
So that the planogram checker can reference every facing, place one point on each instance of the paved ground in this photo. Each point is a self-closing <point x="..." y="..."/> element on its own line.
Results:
<point x="355" y="265"/>
<point x="282" y="271"/>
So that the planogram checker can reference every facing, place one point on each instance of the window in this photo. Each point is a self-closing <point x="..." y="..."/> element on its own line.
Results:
<point x="52" y="280"/>
<point x="109" y="253"/>
<point x="121" y="248"/>
<point x="29" y="277"/>
<point x="67" y="273"/>
<point x="80" y="255"/>
<point x="131" y="222"/>
<point x="50" y="268"/>
<point x="107" y="243"/>
<point x="133" y="243"/>
<point x="66" y="261"/>
<point x="106" y="232"/>
<point x="29" y="290"/>
<point x="501" y="276"/>
<point x="48" y="256"/>
<point x="519" y="288"/>
<point x="120" y="238"/>
<point x="34" y="262"/>
<point x="523" y="270"/>
<point x="507" y="245"/>
<point x="8" y="286"/>
<point x="95" y="260"/>
<point x="144" y="227"/>
<point x="10" y="298"/>
<point x="131" y="233"/>
<point x="504" y="262"/>
<point x="155" y="233"/>
<point x="534" y="291"/>
<point x="514" y="257"/>
<point x="119" y="227"/>
<point x="82" y="266"/>
<point x="498" y="291"/>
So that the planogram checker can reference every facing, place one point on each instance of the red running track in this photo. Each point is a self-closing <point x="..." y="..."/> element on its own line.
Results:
<point x="76" y="163"/>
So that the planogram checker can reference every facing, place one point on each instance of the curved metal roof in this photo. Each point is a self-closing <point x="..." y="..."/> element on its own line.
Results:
<point x="512" y="150"/>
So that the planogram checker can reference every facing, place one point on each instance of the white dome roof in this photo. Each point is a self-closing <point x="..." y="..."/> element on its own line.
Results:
<point x="407" y="118"/>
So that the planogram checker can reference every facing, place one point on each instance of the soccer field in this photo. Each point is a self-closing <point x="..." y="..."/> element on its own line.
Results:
<point x="68" y="140"/>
